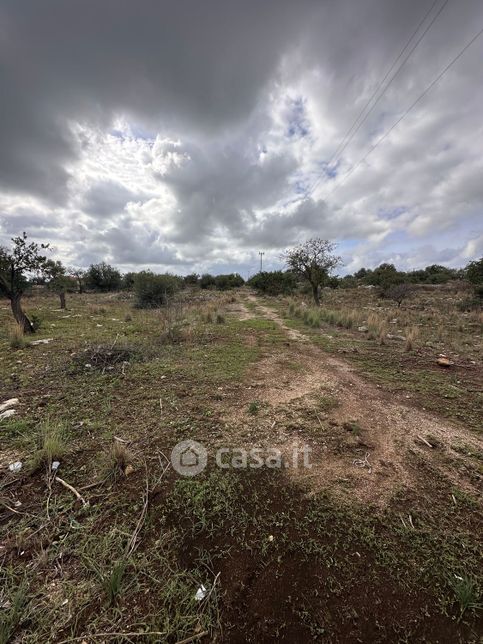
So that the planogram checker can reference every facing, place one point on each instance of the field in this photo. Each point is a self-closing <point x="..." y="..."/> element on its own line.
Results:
<point x="380" y="540"/>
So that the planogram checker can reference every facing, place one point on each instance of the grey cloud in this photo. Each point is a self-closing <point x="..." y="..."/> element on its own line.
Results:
<point x="107" y="198"/>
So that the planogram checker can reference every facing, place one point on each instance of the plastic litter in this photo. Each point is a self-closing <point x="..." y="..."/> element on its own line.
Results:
<point x="201" y="593"/>
<point x="55" y="465"/>
<point x="15" y="467"/>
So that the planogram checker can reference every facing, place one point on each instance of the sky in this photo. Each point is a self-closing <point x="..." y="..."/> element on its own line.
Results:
<point x="188" y="136"/>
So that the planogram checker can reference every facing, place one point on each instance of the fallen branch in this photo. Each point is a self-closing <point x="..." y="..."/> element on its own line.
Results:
<point x="72" y="489"/>
<point x="423" y="440"/>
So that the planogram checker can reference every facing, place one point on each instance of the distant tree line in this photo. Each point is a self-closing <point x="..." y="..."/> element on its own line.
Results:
<point x="309" y="265"/>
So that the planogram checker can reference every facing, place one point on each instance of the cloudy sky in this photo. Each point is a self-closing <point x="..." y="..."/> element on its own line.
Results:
<point x="183" y="135"/>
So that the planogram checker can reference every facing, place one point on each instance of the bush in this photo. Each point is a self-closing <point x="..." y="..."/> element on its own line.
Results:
<point x="191" y="280"/>
<point x="103" y="277"/>
<point x="207" y="281"/>
<point x="274" y="282"/>
<point x="153" y="290"/>
<point x="225" y="282"/>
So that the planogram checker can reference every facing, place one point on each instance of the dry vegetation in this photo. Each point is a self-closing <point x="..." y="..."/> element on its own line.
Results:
<point x="379" y="542"/>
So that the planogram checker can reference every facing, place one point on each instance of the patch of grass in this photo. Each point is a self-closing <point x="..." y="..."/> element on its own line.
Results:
<point x="254" y="407"/>
<point x="14" y="599"/>
<point x="17" y="337"/>
<point x="467" y="594"/>
<point x="53" y="444"/>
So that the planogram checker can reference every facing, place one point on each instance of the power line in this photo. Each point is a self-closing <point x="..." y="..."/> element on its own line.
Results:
<point x="356" y="127"/>
<point x="419" y="98"/>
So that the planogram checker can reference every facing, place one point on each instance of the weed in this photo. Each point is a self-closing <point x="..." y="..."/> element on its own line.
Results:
<point x="254" y="407"/>
<point x="12" y="612"/>
<point x="17" y="337"/>
<point x="114" y="581"/>
<point x="52" y="444"/>
<point x="412" y="335"/>
<point x="467" y="594"/>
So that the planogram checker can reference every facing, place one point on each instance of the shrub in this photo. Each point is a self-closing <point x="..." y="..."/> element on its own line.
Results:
<point x="225" y="282"/>
<point x="207" y="281"/>
<point x="103" y="277"/>
<point x="153" y="290"/>
<point x="274" y="282"/>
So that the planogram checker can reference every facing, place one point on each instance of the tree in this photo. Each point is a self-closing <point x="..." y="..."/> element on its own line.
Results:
<point x="103" y="277"/>
<point x="398" y="292"/>
<point x="15" y="264"/>
<point x="313" y="261"/>
<point x="474" y="274"/>
<point x="57" y="279"/>
<point x="79" y="275"/>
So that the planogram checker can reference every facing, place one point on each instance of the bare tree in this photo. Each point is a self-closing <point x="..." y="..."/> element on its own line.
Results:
<point x="15" y="264"/>
<point x="313" y="261"/>
<point x="398" y="292"/>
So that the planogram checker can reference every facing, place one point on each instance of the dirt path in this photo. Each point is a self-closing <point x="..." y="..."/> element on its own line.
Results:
<point x="368" y="441"/>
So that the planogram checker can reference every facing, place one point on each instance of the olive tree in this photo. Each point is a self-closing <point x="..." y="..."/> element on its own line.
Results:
<point x="15" y="265"/>
<point x="313" y="260"/>
<point x="57" y="279"/>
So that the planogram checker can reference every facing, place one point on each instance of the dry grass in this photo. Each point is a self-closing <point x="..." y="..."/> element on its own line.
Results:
<point x="17" y="337"/>
<point x="412" y="334"/>
<point x="119" y="458"/>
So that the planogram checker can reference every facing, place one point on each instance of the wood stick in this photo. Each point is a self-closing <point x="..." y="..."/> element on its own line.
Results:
<point x="193" y="638"/>
<point x="423" y="440"/>
<point x="72" y="489"/>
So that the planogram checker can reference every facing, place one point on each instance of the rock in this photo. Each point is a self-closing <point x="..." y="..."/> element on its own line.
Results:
<point x="7" y="413"/>
<point x="129" y="470"/>
<point x="362" y="329"/>
<point x="444" y="361"/>
<point x="391" y="336"/>
<point x="11" y="402"/>
<point x="44" y="341"/>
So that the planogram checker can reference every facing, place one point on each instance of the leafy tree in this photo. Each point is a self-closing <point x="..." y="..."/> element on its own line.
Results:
<point x="474" y="274"/>
<point x="15" y="264"/>
<point x="313" y="261"/>
<point x="274" y="282"/>
<point x="192" y="279"/>
<point x="103" y="277"/>
<point x="153" y="290"/>
<point x="128" y="280"/>
<point x="57" y="279"/>
<point x="79" y="274"/>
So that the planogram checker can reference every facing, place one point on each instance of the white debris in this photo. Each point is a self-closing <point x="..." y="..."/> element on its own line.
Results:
<point x="362" y="328"/>
<point x="55" y="465"/>
<point x="11" y="402"/>
<point x="7" y="413"/>
<point x="44" y="341"/>
<point x="201" y="593"/>
<point x="15" y="467"/>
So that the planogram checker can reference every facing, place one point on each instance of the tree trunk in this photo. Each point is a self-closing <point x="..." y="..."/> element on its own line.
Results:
<point x="81" y="286"/>
<point x="20" y="316"/>
<point x="62" y="300"/>
<point x="315" y="293"/>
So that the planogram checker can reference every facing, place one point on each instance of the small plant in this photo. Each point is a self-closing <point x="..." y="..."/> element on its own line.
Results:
<point x="219" y="318"/>
<point x="412" y="335"/>
<point x="17" y="337"/>
<point x="36" y="321"/>
<point x="254" y="407"/>
<point x="114" y="581"/>
<point x="119" y="458"/>
<point x="52" y="444"/>
<point x="467" y="594"/>
<point x="128" y="317"/>
<point x="10" y="618"/>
